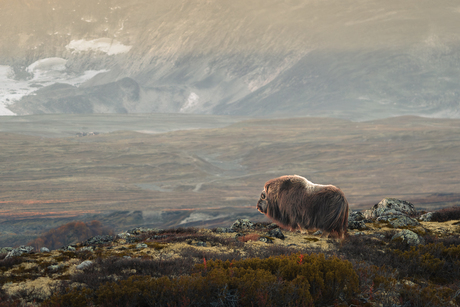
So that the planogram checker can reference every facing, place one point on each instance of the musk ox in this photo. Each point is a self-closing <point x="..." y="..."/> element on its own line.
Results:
<point x="294" y="203"/>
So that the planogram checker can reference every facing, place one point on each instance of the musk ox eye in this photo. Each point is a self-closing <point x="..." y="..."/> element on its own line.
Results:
<point x="262" y="196"/>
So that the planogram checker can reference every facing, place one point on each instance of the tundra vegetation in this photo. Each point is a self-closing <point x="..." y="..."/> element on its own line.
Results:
<point x="248" y="264"/>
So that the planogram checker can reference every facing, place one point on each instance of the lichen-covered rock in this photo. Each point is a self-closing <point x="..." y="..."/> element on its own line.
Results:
<point x="276" y="233"/>
<point x="427" y="217"/>
<point x="84" y="264"/>
<point x="139" y="230"/>
<point x="123" y="235"/>
<point x="224" y="230"/>
<point x="390" y="206"/>
<point x="19" y="251"/>
<point x="408" y="237"/>
<point x="242" y="224"/>
<point x="355" y="216"/>
<point x="402" y="221"/>
<point x="97" y="240"/>
<point x="55" y="267"/>
<point x="5" y="250"/>
<point x="317" y="233"/>
<point x="68" y="248"/>
<point x="265" y="240"/>
<point x="44" y="250"/>
<point x="360" y="225"/>
<point x="141" y="245"/>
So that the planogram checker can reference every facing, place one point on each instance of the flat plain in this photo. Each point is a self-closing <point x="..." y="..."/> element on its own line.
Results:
<point x="128" y="175"/>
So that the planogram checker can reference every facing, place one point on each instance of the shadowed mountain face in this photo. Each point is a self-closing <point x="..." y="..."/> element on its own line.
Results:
<point x="350" y="59"/>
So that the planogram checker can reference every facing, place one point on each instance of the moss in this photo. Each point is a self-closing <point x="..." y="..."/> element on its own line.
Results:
<point x="156" y="246"/>
<point x="312" y="239"/>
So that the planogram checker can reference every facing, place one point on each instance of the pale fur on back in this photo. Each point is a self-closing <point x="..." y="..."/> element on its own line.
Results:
<point x="310" y="186"/>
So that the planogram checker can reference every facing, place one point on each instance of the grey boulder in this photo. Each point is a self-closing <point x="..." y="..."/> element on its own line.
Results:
<point x="19" y="251"/>
<point x="390" y="207"/>
<point x="408" y="237"/>
<point x="84" y="264"/>
<point x="427" y="217"/>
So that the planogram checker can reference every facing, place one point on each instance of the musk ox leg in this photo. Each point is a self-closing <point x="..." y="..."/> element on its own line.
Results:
<point x="325" y="234"/>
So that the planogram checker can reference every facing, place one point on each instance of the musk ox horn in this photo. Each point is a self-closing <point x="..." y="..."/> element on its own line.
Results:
<point x="294" y="203"/>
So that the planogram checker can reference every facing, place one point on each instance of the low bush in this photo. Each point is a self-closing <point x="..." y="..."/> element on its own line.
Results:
<point x="295" y="280"/>
<point x="434" y="261"/>
<point x="446" y="214"/>
<point x="430" y="295"/>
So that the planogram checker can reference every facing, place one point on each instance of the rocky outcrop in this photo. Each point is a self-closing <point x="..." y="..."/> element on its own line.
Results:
<point x="242" y="224"/>
<point x="397" y="213"/>
<point x="98" y="240"/>
<point x="390" y="207"/>
<point x="19" y="251"/>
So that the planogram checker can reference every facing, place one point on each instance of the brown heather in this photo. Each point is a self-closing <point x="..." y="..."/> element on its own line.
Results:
<point x="365" y="269"/>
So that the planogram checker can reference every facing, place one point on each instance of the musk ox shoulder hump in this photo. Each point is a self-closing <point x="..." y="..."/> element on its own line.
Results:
<point x="308" y="184"/>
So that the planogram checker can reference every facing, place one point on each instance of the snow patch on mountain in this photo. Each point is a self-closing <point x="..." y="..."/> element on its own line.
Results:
<point x="43" y="73"/>
<point x="105" y="45"/>
<point x="192" y="101"/>
<point x="48" y="64"/>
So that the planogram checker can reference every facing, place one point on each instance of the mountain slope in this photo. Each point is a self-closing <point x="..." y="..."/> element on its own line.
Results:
<point x="351" y="59"/>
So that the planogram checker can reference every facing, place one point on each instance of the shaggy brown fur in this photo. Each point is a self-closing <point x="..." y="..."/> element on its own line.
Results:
<point x="293" y="202"/>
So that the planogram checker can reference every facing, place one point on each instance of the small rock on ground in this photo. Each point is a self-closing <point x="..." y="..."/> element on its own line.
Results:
<point x="408" y="237"/>
<point x="84" y="264"/>
<point x="242" y="224"/>
<point x="427" y="217"/>
<point x="360" y="225"/>
<point x="276" y="233"/>
<point x="266" y="240"/>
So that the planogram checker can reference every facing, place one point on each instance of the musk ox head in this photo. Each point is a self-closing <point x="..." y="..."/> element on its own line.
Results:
<point x="296" y="203"/>
<point x="262" y="204"/>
